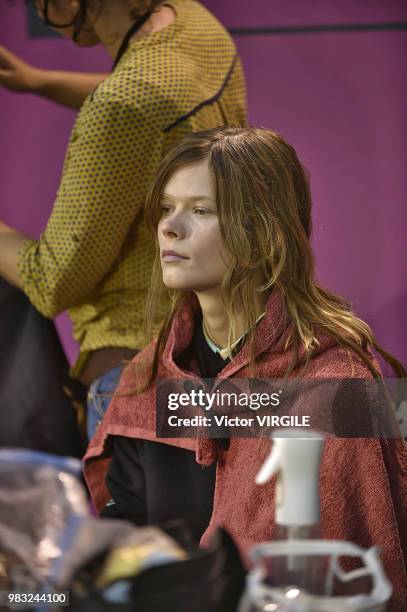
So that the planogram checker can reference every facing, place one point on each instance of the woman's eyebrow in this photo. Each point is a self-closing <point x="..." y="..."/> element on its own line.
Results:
<point x="197" y="198"/>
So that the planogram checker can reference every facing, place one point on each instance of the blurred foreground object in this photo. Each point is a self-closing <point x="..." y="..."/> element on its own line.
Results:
<point x="49" y="543"/>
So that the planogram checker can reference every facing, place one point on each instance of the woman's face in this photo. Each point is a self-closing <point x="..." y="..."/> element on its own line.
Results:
<point x="193" y="256"/>
<point x="62" y="12"/>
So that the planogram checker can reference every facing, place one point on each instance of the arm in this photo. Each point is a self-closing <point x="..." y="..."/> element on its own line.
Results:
<point x="10" y="243"/>
<point x="67" y="88"/>
<point x="109" y="165"/>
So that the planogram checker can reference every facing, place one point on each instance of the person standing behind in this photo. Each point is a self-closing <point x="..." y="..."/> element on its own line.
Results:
<point x="176" y="70"/>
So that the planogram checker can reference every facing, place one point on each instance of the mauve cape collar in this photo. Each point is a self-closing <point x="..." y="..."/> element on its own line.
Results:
<point x="269" y="334"/>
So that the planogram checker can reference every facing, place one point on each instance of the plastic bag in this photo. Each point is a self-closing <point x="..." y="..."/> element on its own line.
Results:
<point x="41" y="498"/>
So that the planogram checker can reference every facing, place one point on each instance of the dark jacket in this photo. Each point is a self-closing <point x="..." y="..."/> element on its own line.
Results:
<point x="34" y="411"/>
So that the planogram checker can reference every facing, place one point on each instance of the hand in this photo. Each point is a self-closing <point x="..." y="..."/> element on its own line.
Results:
<point x="15" y="74"/>
<point x="5" y="229"/>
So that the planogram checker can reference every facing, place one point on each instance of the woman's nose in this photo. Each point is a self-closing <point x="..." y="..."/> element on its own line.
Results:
<point x="173" y="226"/>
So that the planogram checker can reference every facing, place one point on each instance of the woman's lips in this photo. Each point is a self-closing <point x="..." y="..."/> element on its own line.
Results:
<point x="172" y="256"/>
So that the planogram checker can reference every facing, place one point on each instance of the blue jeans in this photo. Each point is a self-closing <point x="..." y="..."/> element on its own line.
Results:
<point x="99" y="395"/>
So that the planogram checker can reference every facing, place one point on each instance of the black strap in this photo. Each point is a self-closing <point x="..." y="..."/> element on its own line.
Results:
<point x="125" y="43"/>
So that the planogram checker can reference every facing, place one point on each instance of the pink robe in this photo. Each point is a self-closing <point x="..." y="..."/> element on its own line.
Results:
<point x="363" y="481"/>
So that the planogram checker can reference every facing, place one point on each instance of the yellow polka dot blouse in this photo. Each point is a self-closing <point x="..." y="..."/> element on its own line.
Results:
<point x="95" y="255"/>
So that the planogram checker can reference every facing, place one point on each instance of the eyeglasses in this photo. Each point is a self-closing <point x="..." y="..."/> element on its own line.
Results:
<point x="48" y="22"/>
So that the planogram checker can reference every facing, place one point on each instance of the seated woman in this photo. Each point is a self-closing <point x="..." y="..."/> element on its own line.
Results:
<point x="231" y="213"/>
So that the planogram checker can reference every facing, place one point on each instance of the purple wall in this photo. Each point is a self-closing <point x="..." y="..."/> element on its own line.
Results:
<point x="339" y="97"/>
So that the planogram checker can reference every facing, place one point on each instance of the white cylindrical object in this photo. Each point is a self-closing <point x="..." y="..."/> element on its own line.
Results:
<point x="295" y="459"/>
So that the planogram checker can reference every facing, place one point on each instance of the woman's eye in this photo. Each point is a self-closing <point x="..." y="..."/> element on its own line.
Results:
<point x="201" y="211"/>
<point x="165" y="210"/>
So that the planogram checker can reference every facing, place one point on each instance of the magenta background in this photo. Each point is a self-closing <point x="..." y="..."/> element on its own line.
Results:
<point x="339" y="97"/>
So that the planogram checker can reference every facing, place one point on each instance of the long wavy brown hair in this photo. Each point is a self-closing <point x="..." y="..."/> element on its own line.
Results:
<point x="264" y="207"/>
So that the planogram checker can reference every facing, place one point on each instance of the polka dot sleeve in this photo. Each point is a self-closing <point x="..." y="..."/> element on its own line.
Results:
<point x="113" y="153"/>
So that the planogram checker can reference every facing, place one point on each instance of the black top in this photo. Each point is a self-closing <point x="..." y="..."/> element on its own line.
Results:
<point x="153" y="483"/>
<point x="209" y="362"/>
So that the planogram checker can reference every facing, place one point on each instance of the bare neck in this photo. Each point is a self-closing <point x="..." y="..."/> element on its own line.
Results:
<point x="112" y="28"/>
<point x="216" y="321"/>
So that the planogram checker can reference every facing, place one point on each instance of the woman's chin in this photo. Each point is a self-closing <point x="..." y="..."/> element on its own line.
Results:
<point x="87" y="41"/>
<point x="179" y="286"/>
